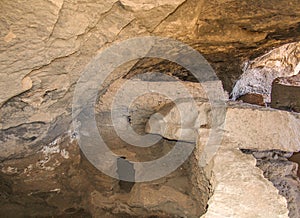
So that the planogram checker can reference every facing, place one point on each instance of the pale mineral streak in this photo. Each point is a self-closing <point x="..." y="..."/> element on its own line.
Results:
<point x="259" y="73"/>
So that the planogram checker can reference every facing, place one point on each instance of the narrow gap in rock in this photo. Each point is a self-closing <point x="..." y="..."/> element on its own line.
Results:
<point x="145" y="65"/>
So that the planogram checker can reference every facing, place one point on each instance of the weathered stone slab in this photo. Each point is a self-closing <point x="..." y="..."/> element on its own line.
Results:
<point x="283" y="174"/>
<point x="261" y="128"/>
<point x="247" y="127"/>
<point x="234" y="175"/>
<point x="286" y="93"/>
<point x="240" y="189"/>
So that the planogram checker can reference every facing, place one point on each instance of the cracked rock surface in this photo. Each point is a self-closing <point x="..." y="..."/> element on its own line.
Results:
<point x="283" y="174"/>
<point x="234" y="177"/>
<point x="44" y="48"/>
<point x="259" y="74"/>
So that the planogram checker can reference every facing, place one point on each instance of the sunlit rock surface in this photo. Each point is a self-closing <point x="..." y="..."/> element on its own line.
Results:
<point x="246" y="126"/>
<point x="240" y="189"/>
<point x="282" y="173"/>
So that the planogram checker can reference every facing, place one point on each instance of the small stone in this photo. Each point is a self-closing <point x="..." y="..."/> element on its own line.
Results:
<point x="9" y="37"/>
<point x="252" y="98"/>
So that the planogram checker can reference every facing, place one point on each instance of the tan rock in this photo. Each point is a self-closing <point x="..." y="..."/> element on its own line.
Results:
<point x="234" y="176"/>
<point x="9" y="37"/>
<point x="145" y="196"/>
<point x="51" y="42"/>
<point x="240" y="189"/>
<point x="245" y="126"/>
<point x="283" y="174"/>
<point x="261" y="128"/>
<point x="173" y="124"/>
<point x="45" y="46"/>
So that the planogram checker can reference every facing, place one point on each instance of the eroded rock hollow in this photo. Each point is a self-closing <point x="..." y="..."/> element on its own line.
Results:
<point x="243" y="141"/>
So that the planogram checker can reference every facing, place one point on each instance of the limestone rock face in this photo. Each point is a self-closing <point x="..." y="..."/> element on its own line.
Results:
<point x="45" y="47"/>
<point x="261" y="128"/>
<point x="283" y="174"/>
<point x="259" y="73"/>
<point x="235" y="178"/>
<point x="168" y="122"/>
<point x="234" y="175"/>
<point x="58" y="181"/>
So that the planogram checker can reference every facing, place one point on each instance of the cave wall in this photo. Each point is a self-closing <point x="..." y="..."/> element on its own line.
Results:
<point x="45" y="45"/>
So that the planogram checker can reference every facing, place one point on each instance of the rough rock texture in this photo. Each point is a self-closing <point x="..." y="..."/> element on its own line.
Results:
<point x="259" y="73"/>
<point x="233" y="174"/>
<point x="180" y="202"/>
<point x="59" y="182"/>
<point x="296" y="158"/>
<point x="44" y="183"/>
<point x="84" y="191"/>
<point x="262" y="128"/>
<point x="283" y="174"/>
<point x="245" y="127"/>
<point x="235" y="178"/>
<point x="286" y="93"/>
<point x="44" y="47"/>
<point x="168" y="123"/>
<point x="252" y="98"/>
